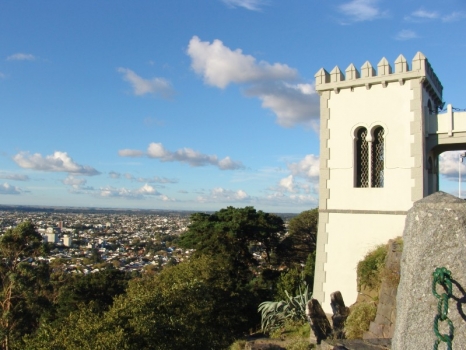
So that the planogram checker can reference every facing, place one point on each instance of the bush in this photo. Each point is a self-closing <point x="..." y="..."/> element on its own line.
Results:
<point x="275" y="314"/>
<point x="359" y="320"/>
<point x="238" y="345"/>
<point x="370" y="268"/>
<point x="300" y="344"/>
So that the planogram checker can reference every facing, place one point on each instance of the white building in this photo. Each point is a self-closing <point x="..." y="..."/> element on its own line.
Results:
<point x="380" y="138"/>
<point x="52" y="234"/>
<point x="67" y="240"/>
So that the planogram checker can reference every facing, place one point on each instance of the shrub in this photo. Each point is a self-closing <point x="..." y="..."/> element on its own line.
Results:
<point x="369" y="269"/>
<point x="238" y="345"/>
<point x="275" y="314"/>
<point x="359" y="320"/>
<point x="300" y="344"/>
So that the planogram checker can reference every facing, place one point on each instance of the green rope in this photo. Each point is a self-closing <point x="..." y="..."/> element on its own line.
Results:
<point x="442" y="276"/>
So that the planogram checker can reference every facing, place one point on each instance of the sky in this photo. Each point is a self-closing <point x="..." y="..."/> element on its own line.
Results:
<point x="194" y="104"/>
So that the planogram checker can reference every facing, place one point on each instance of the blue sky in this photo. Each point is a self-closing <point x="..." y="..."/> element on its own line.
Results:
<point x="192" y="104"/>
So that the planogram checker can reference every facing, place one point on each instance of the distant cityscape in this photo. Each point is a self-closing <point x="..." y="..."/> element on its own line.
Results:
<point x="88" y="240"/>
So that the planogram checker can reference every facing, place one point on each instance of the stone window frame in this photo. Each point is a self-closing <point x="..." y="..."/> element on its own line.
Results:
<point x="369" y="144"/>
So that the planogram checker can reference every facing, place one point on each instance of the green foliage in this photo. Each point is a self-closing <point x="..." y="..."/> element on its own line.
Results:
<point x="204" y="303"/>
<point x="300" y="344"/>
<point x="192" y="305"/>
<point x="309" y="268"/>
<point x="292" y="329"/>
<point x="99" y="288"/>
<point x="229" y="237"/>
<point x="369" y="269"/>
<point x="275" y="314"/>
<point x="289" y="282"/>
<point x="301" y="239"/>
<point x="359" y="320"/>
<point x="238" y="345"/>
<point x="230" y="232"/>
<point x="23" y="283"/>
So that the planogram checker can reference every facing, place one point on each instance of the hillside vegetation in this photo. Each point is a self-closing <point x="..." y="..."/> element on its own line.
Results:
<point x="242" y="258"/>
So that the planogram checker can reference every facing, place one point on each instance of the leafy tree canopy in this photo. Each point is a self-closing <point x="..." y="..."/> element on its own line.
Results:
<point x="189" y="306"/>
<point x="229" y="234"/>
<point x="302" y="237"/>
<point x="23" y="283"/>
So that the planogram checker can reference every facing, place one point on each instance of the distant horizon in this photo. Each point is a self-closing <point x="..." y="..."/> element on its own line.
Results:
<point x="127" y="209"/>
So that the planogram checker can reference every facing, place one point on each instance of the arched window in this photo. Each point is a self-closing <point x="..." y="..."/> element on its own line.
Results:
<point x="378" y="157"/>
<point x="362" y="159"/>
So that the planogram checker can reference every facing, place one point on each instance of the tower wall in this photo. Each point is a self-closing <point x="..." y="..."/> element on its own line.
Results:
<point x="354" y="219"/>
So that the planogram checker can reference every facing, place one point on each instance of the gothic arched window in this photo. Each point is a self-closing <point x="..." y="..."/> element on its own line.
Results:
<point x="362" y="159"/>
<point x="378" y="157"/>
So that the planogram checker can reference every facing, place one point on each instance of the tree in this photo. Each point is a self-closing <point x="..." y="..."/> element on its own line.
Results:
<point x="190" y="306"/>
<point x="98" y="288"/>
<point x="22" y="280"/>
<point x="302" y="237"/>
<point x="229" y="233"/>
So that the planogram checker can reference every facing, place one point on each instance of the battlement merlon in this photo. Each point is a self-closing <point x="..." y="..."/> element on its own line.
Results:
<point x="421" y="68"/>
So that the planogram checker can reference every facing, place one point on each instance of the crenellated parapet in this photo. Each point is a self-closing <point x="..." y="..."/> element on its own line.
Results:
<point x="384" y="75"/>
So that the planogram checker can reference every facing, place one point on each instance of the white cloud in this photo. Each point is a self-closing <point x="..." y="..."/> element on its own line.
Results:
<point x="57" y="162"/>
<point x="281" y="199"/>
<point x="122" y="192"/>
<point x="114" y="175"/>
<point x="154" y="179"/>
<point x="425" y="14"/>
<point x="192" y="157"/>
<point x="448" y="165"/>
<point x="167" y="199"/>
<point x="74" y="182"/>
<point x="361" y="10"/>
<point x="130" y="153"/>
<point x="185" y="155"/>
<point x="2" y="76"/>
<point x="21" y="57"/>
<point x="292" y="104"/>
<point x="454" y="16"/>
<point x="15" y="177"/>
<point x="253" y="5"/>
<point x="221" y="66"/>
<point x="287" y="183"/>
<point x="220" y="194"/>
<point x="8" y="189"/>
<point x="148" y="190"/>
<point x="308" y="167"/>
<point x="274" y="84"/>
<point x="406" y="34"/>
<point x="155" y="86"/>
<point x="77" y="185"/>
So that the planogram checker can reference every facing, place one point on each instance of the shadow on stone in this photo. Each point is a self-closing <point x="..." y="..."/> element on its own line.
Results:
<point x="459" y="301"/>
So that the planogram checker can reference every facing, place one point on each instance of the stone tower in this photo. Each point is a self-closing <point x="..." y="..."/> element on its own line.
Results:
<point x="378" y="155"/>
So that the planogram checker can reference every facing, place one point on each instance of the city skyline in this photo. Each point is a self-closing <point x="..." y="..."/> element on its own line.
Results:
<point x="194" y="105"/>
